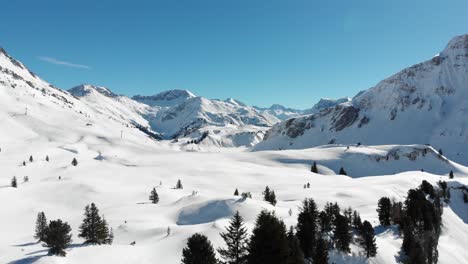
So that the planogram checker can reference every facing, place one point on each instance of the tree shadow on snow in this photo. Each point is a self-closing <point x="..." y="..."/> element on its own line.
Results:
<point x="27" y="244"/>
<point x="27" y="260"/>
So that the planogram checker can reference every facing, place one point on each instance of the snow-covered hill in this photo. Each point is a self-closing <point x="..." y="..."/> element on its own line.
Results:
<point x="425" y="103"/>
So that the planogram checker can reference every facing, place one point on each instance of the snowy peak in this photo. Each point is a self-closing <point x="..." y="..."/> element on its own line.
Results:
<point x="457" y="46"/>
<point x="86" y="89"/>
<point x="279" y="111"/>
<point x="325" y="103"/>
<point x="234" y="102"/>
<point x="166" y="98"/>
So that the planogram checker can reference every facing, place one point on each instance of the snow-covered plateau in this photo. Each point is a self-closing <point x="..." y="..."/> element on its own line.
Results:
<point x="126" y="147"/>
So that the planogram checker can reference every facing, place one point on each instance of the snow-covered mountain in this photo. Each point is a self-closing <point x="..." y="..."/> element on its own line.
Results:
<point x="281" y="112"/>
<point x="188" y="118"/>
<point x="165" y="99"/>
<point x="325" y="103"/>
<point x="119" y="108"/>
<point x="425" y="103"/>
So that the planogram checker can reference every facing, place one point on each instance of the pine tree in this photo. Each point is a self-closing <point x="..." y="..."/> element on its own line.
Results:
<point x="236" y="250"/>
<point x="199" y="250"/>
<point x="307" y="225"/>
<point x="357" y="223"/>
<point x="41" y="227"/>
<point x="236" y="192"/>
<point x="269" y="196"/>
<point x="74" y="162"/>
<point x="58" y="237"/>
<point x="314" y="168"/>
<point x="367" y="239"/>
<point x="451" y="175"/>
<point x="342" y="235"/>
<point x="179" y="185"/>
<point x="269" y="241"/>
<point x="47" y="158"/>
<point x="342" y="171"/>
<point x="94" y="229"/>
<point x="14" y="182"/>
<point x="384" y="208"/>
<point x="24" y="163"/>
<point x="321" y="252"/>
<point x="154" y="197"/>
<point x="31" y="158"/>
<point x="295" y="253"/>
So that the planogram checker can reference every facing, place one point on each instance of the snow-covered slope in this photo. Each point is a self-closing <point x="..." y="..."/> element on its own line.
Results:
<point x="425" y="103"/>
<point x="119" y="108"/>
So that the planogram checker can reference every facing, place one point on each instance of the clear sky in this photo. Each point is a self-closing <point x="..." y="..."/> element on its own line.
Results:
<point x="261" y="52"/>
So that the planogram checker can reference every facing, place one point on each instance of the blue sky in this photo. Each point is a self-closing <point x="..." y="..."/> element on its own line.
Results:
<point x="261" y="52"/>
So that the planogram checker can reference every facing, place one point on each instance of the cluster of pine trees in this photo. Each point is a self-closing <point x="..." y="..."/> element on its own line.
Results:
<point x="269" y="196"/>
<point x="271" y="242"/>
<point x="56" y="235"/>
<point x="419" y="219"/>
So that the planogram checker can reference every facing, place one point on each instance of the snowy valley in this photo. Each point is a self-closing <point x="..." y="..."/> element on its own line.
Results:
<point x="383" y="142"/>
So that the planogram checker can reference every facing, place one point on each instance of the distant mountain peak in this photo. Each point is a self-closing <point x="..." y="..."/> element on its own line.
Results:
<point x="166" y="98"/>
<point x="234" y="102"/>
<point x="457" y="44"/>
<point x="85" y="89"/>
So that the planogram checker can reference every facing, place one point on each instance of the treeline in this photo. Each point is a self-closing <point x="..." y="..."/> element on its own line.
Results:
<point x="272" y="242"/>
<point x="419" y="219"/>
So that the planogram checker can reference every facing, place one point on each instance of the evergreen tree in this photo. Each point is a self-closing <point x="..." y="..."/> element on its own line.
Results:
<point x="94" y="229"/>
<point x="384" y="208"/>
<point x="31" y="158"/>
<point x="57" y="237"/>
<point x="269" y="196"/>
<point x="307" y="227"/>
<point x="47" y="158"/>
<point x="179" y="185"/>
<point x="342" y="235"/>
<point x="24" y="163"/>
<point x="367" y="239"/>
<point x="236" y="250"/>
<point x="199" y="250"/>
<point x="451" y="174"/>
<point x="41" y="227"/>
<point x="269" y="241"/>
<point x="236" y="192"/>
<point x="321" y="252"/>
<point x="314" y="168"/>
<point x="342" y="171"/>
<point x="25" y="179"/>
<point x="246" y="195"/>
<point x="154" y="197"/>
<point x="325" y="222"/>
<point x="295" y="253"/>
<point x="14" y="182"/>
<point x="357" y="223"/>
<point x="74" y="162"/>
